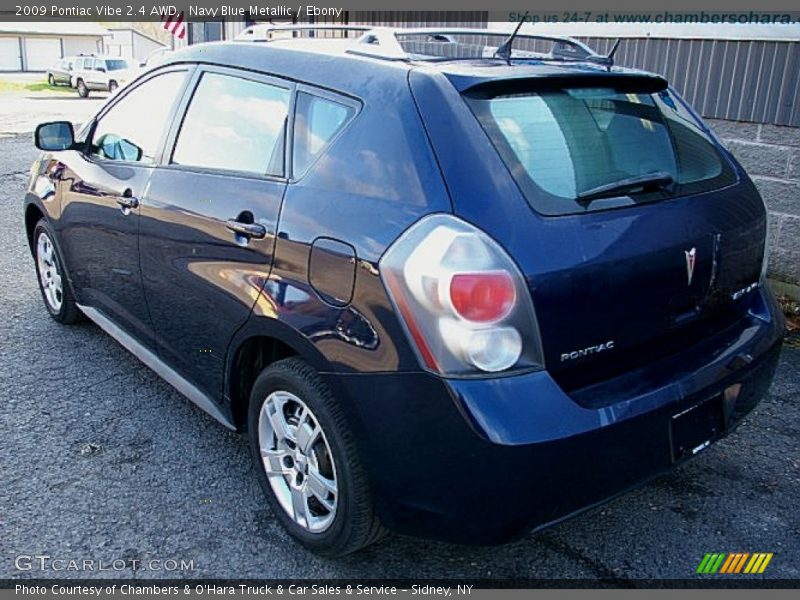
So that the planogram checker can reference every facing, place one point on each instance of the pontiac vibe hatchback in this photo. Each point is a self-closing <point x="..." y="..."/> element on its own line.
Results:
<point x="455" y="290"/>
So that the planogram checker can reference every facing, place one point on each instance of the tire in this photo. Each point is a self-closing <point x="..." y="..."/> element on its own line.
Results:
<point x="53" y="283"/>
<point x="330" y="524"/>
<point x="112" y="86"/>
<point x="51" y="81"/>
<point x="83" y="91"/>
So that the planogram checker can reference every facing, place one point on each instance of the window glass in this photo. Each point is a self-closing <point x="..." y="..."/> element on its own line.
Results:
<point x="317" y="120"/>
<point x="234" y="124"/>
<point x="116" y="65"/>
<point x="132" y="128"/>
<point x="565" y="145"/>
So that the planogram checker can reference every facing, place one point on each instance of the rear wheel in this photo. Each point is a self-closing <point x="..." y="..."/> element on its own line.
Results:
<point x="83" y="91"/>
<point x="307" y="461"/>
<point x="51" y="81"/>
<point x="52" y="281"/>
<point x="112" y="86"/>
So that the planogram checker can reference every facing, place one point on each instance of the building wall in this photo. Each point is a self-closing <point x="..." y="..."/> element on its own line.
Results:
<point x="737" y="80"/>
<point x="771" y="155"/>
<point x="18" y="59"/>
<point x="129" y="44"/>
<point x="143" y="46"/>
<point x="74" y="45"/>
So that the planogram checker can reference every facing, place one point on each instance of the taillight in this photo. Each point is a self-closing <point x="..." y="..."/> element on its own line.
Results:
<point x="462" y="300"/>
<point x="482" y="297"/>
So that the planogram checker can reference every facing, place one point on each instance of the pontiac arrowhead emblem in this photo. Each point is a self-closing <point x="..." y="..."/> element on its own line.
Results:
<point x="691" y="255"/>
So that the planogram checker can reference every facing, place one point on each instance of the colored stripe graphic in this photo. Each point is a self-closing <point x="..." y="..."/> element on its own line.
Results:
<point x="764" y="564"/>
<point x="729" y="562"/>
<point x="701" y="568"/>
<point x="734" y="563"/>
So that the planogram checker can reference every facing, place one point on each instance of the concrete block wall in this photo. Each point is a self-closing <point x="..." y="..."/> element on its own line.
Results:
<point x="771" y="156"/>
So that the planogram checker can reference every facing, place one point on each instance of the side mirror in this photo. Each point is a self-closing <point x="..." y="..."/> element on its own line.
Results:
<point x="54" y="136"/>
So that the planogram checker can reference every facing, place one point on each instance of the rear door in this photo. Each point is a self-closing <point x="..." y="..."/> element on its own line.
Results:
<point x="96" y="75"/>
<point x="101" y="191"/>
<point x="210" y="215"/>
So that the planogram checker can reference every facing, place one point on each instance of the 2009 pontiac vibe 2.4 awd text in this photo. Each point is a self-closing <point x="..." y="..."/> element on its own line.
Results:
<point x="454" y="290"/>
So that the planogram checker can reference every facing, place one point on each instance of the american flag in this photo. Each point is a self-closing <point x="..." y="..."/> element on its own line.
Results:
<point x="175" y="25"/>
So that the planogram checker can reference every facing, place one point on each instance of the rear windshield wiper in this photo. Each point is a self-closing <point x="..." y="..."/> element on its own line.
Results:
<point x="656" y="180"/>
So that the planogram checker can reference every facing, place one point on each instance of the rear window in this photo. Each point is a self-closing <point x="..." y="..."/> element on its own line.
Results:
<point x="580" y="149"/>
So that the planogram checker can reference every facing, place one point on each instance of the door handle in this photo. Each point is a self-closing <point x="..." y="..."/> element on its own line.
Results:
<point x="250" y="230"/>
<point x="128" y="200"/>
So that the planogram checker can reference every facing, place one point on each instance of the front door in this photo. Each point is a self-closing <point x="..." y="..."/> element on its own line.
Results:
<point x="101" y="191"/>
<point x="209" y="218"/>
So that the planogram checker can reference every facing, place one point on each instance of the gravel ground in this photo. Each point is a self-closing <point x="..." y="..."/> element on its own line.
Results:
<point x="101" y="459"/>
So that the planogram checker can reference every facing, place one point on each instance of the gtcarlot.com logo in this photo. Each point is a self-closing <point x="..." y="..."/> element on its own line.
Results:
<point x="734" y="563"/>
<point x="44" y="562"/>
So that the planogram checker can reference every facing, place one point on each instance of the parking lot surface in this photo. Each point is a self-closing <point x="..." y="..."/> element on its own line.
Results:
<point x="102" y="460"/>
<point x="20" y="112"/>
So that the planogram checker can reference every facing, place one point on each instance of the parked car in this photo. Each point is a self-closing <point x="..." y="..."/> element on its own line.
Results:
<point x="101" y="73"/>
<point x="458" y="299"/>
<point x="61" y="72"/>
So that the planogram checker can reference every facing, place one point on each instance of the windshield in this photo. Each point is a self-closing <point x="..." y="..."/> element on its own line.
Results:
<point x="116" y="65"/>
<point x="564" y="145"/>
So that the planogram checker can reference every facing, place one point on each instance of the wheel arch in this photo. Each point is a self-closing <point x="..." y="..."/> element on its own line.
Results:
<point x="261" y="342"/>
<point x="33" y="214"/>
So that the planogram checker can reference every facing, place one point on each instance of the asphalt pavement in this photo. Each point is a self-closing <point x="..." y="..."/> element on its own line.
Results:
<point x="101" y="460"/>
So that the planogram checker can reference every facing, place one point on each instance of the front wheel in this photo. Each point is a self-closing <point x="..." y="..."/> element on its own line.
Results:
<point x="52" y="280"/>
<point x="307" y="461"/>
<point x="51" y="81"/>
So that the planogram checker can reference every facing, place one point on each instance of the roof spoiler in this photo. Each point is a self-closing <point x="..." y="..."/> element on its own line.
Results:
<point x="633" y="82"/>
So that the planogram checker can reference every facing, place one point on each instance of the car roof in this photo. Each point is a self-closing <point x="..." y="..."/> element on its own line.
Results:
<point x="330" y="62"/>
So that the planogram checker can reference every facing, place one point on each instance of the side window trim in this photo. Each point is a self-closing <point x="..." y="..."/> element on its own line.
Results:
<point x="325" y="94"/>
<point x="188" y="69"/>
<point x="183" y="107"/>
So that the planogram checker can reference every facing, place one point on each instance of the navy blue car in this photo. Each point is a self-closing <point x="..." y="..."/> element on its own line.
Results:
<point x="452" y="289"/>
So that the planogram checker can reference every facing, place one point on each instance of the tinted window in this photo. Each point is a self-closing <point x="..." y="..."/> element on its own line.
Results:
<point x="317" y="120"/>
<point x="131" y="130"/>
<point x="562" y="144"/>
<point x="116" y="65"/>
<point x="234" y="124"/>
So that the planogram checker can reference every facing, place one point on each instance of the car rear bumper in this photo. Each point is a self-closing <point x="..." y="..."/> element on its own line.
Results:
<point x="482" y="461"/>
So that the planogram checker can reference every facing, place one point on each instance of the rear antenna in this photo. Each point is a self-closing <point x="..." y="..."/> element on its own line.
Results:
<point x="609" y="58"/>
<point x="504" y="50"/>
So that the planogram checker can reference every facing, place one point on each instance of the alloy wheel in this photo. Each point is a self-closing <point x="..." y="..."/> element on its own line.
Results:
<point x="49" y="272"/>
<point x="298" y="461"/>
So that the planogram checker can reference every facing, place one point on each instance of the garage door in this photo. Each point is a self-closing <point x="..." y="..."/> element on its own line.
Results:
<point x="9" y="54"/>
<point x="42" y="53"/>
